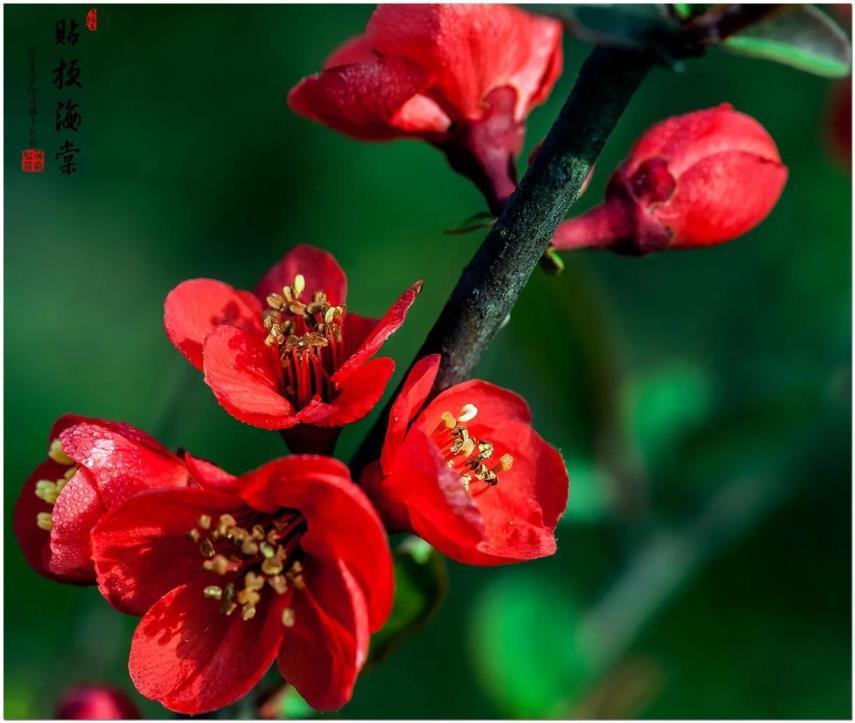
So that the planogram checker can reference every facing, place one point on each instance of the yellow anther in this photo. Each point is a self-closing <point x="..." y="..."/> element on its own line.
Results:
<point x="249" y="548"/>
<point x="253" y="581"/>
<point x="298" y="285"/>
<point x="218" y="564"/>
<point x="47" y="491"/>
<point x="44" y="521"/>
<point x="228" y="607"/>
<point x="194" y="535"/>
<point x="247" y="612"/>
<point x="271" y="566"/>
<point x="248" y="597"/>
<point x="275" y="301"/>
<point x="267" y="550"/>
<point x="257" y="532"/>
<point x="214" y="592"/>
<point x="329" y="315"/>
<point x="465" y="480"/>
<point x="60" y="484"/>
<point x="278" y="583"/>
<point x="70" y="472"/>
<point x="506" y="461"/>
<point x="57" y="454"/>
<point x="467" y="413"/>
<point x="288" y="619"/>
<point x="228" y="520"/>
<point x="448" y="420"/>
<point x="204" y="522"/>
<point x="206" y="547"/>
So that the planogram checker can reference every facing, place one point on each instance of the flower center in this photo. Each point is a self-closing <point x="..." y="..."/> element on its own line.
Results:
<point x="263" y="551"/>
<point x="48" y="490"/>
<point x="466" y="454"/>
<point x="307" y="336"/>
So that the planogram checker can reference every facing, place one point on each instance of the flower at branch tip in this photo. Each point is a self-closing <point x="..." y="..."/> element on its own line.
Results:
<point x="290" y="353"/>
<point x="462" y="77"/>
<point x="692" y="180"/>
<point x="286" y="563"/>
<point x="96" y="702"/>
<point x="468" y="473"/>
<point x="92" y="465"/>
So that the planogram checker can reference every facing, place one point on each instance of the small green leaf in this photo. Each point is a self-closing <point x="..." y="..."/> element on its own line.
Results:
<point x="800" y="36"/>
<point x="526" y="650"/>
<point x="483" y="219"/>
<point x="293" y="707"/>
<point x="420" y="583"/>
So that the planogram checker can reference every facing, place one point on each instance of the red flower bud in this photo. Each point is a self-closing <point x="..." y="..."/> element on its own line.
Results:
<point x="462" y="77"/>
<point x="96" y="702"/>
<point x="692" y="180"/>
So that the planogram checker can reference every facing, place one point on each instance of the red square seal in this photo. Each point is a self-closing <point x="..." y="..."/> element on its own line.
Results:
<point x="32" y="160"/>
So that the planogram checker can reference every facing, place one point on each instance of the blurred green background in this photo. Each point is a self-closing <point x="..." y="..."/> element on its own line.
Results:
<point x="701" y="399"/>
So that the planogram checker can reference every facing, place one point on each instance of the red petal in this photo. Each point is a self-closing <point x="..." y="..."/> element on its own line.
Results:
<point x="342" y="524"/>
<point x="520" y="513"/>
<point x="414" y="392"/>
<point x="365" y="99"/>
<point x="325" y="650"/>
<point x="356" y="396"/>
<point x="32" y="539"/>
<point x="496" y="407"/>
<point x="142" y="550"/>
<point x="703" y="212"/>
<point x="209" y="475"/>
<point x="685" y="139"/>
<point x="319" y="268"/>
<point x="356" y="330"/>
<point x="354" y="50"/>
<point x="472" y="49"/>
<point x="122" y="459"/>
<point x="388" y="325"/>
<point x="437" y="505"/>
<point x="244" y="376"/>
<point x="78" y="508"/>
<point x="196" y="307"/>
<point x="194" y="659"/>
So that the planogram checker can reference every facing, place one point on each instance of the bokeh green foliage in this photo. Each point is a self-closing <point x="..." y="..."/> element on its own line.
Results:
<point x="665" y="381"/>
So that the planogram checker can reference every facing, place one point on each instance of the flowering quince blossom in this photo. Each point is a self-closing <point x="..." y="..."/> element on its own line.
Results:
<point x="92" y="466"/>
<point x="692" y="180"/>
<point x="462" y="77"/>
<point x="468" y="473"/>
<point x="287" y="562"/>
<point x="96" y="702"/>
<point x="290" y="353"/>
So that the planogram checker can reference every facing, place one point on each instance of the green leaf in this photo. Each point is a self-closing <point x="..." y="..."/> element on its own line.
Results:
<point x="480" y="220"/>
<point x="420" y="584"/>
<point x="527" y="651"/>
<point x="800" y="36"/>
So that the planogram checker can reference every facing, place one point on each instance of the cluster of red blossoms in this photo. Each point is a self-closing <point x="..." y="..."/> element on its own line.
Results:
<point x="290" y="563"/>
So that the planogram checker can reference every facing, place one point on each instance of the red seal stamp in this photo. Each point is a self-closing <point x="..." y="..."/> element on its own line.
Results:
<point x="32" y="160"/>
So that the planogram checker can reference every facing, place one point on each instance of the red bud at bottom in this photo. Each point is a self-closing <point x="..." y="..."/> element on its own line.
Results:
<point x="96" y="702"/>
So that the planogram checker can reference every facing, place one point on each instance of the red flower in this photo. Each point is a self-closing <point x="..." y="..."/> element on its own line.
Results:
<point x="92" y="466"/>
<point x="290" y="353"/>
<point x="463" y="77"/>
<point x="692" y="180"/>
<point x="96" y="702"/>
<point x="288" y="562"/>
<point x="468" y="473"/>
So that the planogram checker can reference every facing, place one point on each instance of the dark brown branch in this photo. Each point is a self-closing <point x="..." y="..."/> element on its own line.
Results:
<point x="491" y="283"/>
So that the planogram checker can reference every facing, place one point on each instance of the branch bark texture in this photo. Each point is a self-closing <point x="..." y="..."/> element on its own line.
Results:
<point x="492" y="281"/>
